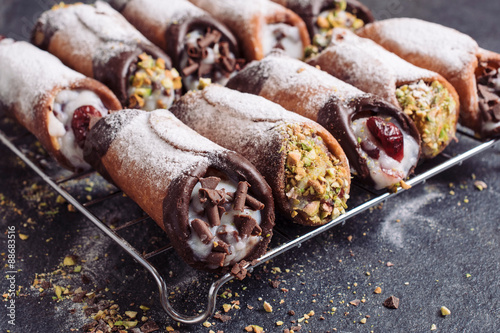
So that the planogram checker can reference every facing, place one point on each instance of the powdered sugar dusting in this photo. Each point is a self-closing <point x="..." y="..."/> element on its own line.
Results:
<point x="247" y="121"/>
<point x="287" y="74"/>
<point x="29" y="75"/>
<point x="427" y="39"/>
<point x="367" y="65"/>
<point x="97" y="25"/>
<point x="164" y="13"/>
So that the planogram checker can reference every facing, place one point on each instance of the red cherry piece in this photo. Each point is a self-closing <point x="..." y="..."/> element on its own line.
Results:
<point x="80" y="122"/>
<point x="389" y="136"/>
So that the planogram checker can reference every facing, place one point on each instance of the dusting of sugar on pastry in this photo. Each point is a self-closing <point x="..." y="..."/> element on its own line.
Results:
<point x="418" y="37"/>
<point x="361" y="58"/>
<point x="288" y="74"/>
<point x="99" y="25"/>
<point x="30" y="86"/>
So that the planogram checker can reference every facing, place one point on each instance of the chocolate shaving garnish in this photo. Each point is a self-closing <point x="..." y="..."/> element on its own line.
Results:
<point x="239" y="270"/>
<point x="209" y="182"/>
<point x="193" y="51"/>
<point x="253" y="203"/>
<point x="149" y="326"/>
<point x="215" y="197"/>
<point x="391" y="303"/>
<point x="487" y="94"/>
<point x="240" y="196"/>
<point x="211" y="37"/>
<point x="223" y="318"/>
<point x="221" y="246"/>
<point x="216" y="258"/>
<point x="204" y="69"/>
<point x="204" y="54"/>
<point x="224" y="49"/>
<point x="188" y="70"/>
<point x="227" y="63"/>
<point x="222" y="210"/>
<point x="247" y="225"/>
<point x="202" y="230"/>
<point x="496" y="112"/>
<point x="213" y="215"/>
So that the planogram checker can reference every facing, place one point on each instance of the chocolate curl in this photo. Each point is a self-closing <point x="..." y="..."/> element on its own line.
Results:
<point x="222" y="210"/>
<point x="213" y="216"/>
<point x="239" y="270"/>
<point x="247" y="225"/>
<point x="215" y="197"/>
<point x="209" y="38"/>
<point x="188" y="70"/>
<point x="204" y="69"/>
<point x="254" y="203"/>
<point x="221" y="246"/>
<point x="216" y="258"/>
<point x="202" y="230"/>
<point x="240" y="196"/>
<point x="224" y="49"/>
<point x="227" y="64"/>
<point x="209" y="182"/>
<point x="193" y="51"/>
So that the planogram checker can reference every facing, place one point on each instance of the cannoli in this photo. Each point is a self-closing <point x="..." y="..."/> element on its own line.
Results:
<point x="98" y="42"/>
<point x="214" y="205"/>
<point x="53" y="102"/>
<point x="305" y="166"/>
<point x="199" y="45"/>
<point x="430" y="101"/>
<point x="471" y="70"/>
<point x="380" y="141"/>
<point x="322" y="16"/>
<point x="260" y="26"/>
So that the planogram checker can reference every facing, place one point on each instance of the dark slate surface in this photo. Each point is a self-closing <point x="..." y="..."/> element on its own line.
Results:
<point x="442" y="237"/>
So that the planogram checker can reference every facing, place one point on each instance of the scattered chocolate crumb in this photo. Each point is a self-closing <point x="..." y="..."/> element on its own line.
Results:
<point x="355" y="302"/>
<point x="239" y="270"/>
<point x="391" y="303"/>
<point x="275" y="283"/>
<point x="85" y="279"/>
<point x="291" y="313"/>
<point x="223" y="318"/>
<point x="149" y="326"/>
<point x="296" y="328"/>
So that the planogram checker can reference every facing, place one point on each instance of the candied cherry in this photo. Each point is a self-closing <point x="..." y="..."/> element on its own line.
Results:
<point x="388" y="135"/>
<point x="80" y="122"/>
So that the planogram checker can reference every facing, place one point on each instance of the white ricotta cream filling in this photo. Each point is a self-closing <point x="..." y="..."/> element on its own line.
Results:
<point x="59" y="123"/>
<point x="386" y="171"/>
<point x="284" y="36"/>
<point x="238" y="248"/>
<point x="191" y="81"/>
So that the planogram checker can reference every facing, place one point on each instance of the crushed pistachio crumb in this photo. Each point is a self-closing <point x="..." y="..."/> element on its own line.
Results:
<point x="316" y="183"/>
<point x="434" y="112"/>
<point x="152" y="85"/>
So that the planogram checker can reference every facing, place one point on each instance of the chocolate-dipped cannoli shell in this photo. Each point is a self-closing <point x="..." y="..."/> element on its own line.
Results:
<point x="96" y="41"/>
<point x="166" y="24"/>
<point x="316" y="95"/>
<point x="254" y="127"/>
<point x="371" y="68"/>
<point x="247" y="18"/>
<point x="30" y="81"/>
<point x="157" y="160"/>
<point x="309" y="11"/>
<point x="446" y="51"/>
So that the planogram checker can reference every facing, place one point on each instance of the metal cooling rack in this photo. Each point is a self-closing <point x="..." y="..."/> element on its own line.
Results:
<point x="292" y="241"/>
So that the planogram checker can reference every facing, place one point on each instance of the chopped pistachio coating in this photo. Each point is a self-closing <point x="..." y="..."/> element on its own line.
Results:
<point x="433" y="110"/>
<point x="152" y="86"/>
<point x="327" y="21"/>
<point x="316" y="183"/>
